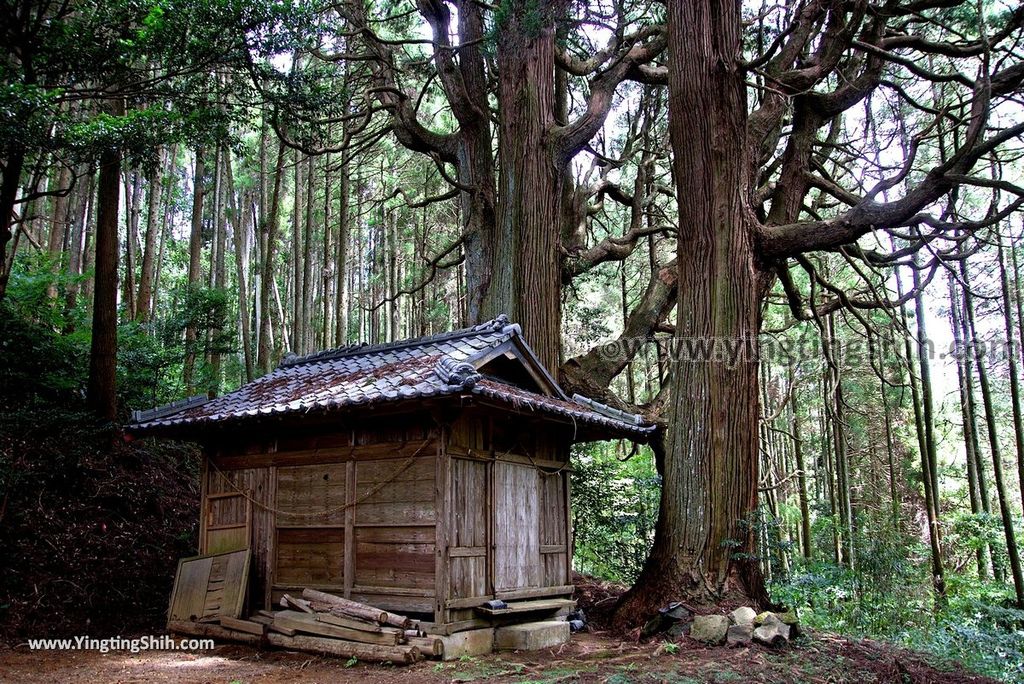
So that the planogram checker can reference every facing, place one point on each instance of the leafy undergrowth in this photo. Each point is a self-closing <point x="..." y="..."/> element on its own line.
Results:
<point x="90" y="527"/>
<point x="977" y="626"/>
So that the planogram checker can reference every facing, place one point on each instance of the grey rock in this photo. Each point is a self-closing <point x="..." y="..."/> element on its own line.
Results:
<point x="739" y="635"/>
<point x="710" y="629"/>
<point x="772" y="632"/>
<point x="743" y="616"/>
<point x="678" y="629"/>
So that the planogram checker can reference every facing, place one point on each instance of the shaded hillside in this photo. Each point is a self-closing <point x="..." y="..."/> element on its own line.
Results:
<point x="91" y="532"/>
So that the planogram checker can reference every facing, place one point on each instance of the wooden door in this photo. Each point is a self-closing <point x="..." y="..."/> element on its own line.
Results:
<point x="517" y="562"/>
<point x="467" y="539"/>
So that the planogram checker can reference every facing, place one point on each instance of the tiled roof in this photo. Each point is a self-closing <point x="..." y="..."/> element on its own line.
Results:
<point x="358" y="375"/>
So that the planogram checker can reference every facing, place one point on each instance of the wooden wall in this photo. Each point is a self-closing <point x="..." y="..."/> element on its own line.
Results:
<point x="349" y="511"/>
<point x="408" y="517"/>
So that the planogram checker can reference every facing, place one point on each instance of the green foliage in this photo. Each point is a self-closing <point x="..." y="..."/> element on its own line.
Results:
<point x="615" y="507"/>
<point x="889" y="597"/>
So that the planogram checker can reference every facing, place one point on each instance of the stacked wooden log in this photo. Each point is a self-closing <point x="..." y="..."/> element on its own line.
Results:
<point x="323" y="623"/>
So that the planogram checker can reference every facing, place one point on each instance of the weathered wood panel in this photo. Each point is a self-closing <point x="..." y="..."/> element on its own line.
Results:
<point x="259" y="485"/>
<point x="208" y="586"/>
<point x="311" y="495"/>
<point x="227" y="522"/>
<point x="468" y="536"/>
<point x="471" y="431"/>
<point x="400" y="557"/>
<point x="468" y="577"/>
<point x="389" y="495"/>
<point x="553" y="528"/>
<point x="469" y="503"/>
<point x="310" y="556"/>
<point x="517" y="561"/>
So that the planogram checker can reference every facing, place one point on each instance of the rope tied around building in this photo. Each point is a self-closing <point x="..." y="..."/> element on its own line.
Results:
<point x="318" y="514"/>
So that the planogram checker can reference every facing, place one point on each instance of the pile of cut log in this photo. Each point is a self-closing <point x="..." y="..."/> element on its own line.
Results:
<point x="323" y="623"/>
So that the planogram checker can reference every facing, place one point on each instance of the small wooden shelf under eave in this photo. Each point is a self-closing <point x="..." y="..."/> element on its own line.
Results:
<point x="541" y="606"/>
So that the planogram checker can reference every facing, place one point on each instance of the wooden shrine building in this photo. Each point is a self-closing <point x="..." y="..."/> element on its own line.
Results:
<point x="427" y="476"/>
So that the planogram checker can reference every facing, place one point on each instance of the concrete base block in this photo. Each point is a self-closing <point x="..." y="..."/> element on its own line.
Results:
<point x="531" y="636"/>
<point x="473" y="642"/>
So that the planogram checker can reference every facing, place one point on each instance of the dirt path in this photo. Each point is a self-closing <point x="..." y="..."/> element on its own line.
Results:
<point x="589" y="658"/>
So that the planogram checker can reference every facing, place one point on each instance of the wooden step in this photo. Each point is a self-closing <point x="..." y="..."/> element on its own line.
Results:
<point x="539" y="606"/>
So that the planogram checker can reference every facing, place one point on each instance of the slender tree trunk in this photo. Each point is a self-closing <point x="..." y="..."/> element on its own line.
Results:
<point x="929" y="469"/>
<point x="801" y="469"/>
<point x="341" y="270"/>
<point x="165" y="227"/>
<point x="77" y="246"/>
<point x="102" y="389"/>
<point x="195" y="267"/>
<point x="133" y="199"/>
<point x="890" y="449"/>
<point x="1017" y="298"/>
<point x="265" y="352"/>
<point x="977" y="351"/>
<point x="1011" y="359"/>
<point x="969" y="424"/>
<point x="241" y="217"/>
<point x="702" y="546"/>
<point x="144" y="306"/>
<point x="326" y="272"/>
<point x="840" y="442"/>
<point x="59" y="225"/>
<point x="392" y="275"/>
<point x="218" y="267"/>
<point x="308" y="255"/>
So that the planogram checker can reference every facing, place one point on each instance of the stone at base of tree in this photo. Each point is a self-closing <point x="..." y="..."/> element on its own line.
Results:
<point x="743" y="616"/>
<point x="772" y="632"/>
<point x="789" y="617"/>
<point x="710" y="629"/>
<point x="740" y="635"/>
<point x="679" y="629"/>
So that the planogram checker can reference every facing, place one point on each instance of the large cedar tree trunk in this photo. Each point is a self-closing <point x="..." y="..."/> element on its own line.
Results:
<point x="703" y="548"/>
<point x="527" y="271"/>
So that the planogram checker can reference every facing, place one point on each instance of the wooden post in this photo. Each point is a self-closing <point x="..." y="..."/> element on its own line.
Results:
<point x="442" y="494"/>
<point x="203" y="492"/>
<point x="349" y="562"/>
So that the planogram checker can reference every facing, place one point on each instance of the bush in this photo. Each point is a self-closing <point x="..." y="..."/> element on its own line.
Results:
<point x="90" y="530"/>
<point x="614" y="508"/>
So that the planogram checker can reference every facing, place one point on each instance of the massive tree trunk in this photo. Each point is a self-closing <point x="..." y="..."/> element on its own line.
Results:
<point x="703" y="550"/>
<point x="102" y="389"/>
<point x="528" y="276"/>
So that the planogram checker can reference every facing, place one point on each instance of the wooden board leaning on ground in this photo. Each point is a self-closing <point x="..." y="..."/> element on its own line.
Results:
<point x="209" y="587"/>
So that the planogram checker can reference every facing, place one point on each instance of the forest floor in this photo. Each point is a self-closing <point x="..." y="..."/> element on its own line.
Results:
<point x="588" y="658"/>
